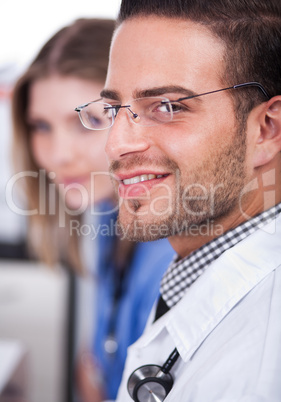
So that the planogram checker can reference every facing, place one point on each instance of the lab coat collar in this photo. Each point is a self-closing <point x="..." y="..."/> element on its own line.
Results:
<point x="225" y="282"/>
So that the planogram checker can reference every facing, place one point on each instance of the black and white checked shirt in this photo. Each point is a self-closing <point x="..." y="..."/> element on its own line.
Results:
<point x="181" y="274"/>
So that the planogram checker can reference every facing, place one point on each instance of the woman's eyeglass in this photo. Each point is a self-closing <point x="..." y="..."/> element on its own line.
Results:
<point x="149" y="111"/>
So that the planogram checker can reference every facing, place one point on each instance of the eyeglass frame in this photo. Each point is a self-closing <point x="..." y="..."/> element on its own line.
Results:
<point x="118" y="107"/>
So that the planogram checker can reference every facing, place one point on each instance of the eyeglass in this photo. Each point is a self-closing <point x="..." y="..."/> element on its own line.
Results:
<point x="149" y="111"/>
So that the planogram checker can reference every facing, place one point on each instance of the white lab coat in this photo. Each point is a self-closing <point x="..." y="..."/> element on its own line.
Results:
<point x="227" y="329"/>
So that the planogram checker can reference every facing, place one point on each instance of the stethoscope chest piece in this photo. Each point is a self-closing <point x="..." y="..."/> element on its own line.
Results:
<point x="149" y="383"/>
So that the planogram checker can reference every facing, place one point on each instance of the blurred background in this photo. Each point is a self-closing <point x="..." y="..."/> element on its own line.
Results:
<point x="37" y="306"/>
<point x="24" y="27"/>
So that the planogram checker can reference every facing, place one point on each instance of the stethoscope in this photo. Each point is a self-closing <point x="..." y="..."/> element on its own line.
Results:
<point x="151" y="382"/>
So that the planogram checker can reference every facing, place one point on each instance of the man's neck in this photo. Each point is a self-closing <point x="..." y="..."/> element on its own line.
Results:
<point x="194" y="238"/>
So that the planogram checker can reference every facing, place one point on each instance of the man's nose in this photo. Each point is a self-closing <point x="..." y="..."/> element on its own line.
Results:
<point x="125" y="137"/>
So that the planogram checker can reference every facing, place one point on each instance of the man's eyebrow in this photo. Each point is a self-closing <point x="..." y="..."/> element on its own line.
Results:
<point x="146" y="93"/>
<point x="158" y="91"/>
<point x="110" y="94"/>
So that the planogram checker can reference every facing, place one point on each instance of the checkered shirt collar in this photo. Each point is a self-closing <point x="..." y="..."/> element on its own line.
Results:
<point x="181" y="274"/>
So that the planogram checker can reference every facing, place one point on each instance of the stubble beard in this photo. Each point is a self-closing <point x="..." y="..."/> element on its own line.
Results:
<point x="211" y="192"/>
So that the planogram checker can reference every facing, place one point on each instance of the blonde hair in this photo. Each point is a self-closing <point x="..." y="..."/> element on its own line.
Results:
<point x="81" y="50"/>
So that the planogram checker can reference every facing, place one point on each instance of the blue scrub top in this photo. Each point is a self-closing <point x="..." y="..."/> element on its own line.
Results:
<point x="140" y="289"/>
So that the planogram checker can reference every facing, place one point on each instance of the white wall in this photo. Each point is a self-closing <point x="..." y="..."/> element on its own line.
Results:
<point x="26" y="25"/>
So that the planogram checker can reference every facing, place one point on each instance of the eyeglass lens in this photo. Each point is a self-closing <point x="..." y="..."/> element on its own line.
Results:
<point x="142" y="111"/>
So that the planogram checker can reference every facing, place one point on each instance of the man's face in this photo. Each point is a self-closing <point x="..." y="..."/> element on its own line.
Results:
<point x="176" y="175"/>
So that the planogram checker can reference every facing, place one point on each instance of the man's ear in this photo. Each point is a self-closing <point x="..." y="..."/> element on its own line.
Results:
<point x="268" y="142"/>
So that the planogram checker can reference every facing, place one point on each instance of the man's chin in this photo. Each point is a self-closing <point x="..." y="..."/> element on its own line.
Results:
<point x="142" y="229"/>
<point x="143" y="221"/>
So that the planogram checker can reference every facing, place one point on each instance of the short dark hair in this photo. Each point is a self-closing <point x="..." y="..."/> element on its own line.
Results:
<point x="250" y="29"/>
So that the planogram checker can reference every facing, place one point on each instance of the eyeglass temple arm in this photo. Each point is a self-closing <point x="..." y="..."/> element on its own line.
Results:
<point x="79" y="108"/>
<point x="253" y="84"/>
<point x="246" y="84"/>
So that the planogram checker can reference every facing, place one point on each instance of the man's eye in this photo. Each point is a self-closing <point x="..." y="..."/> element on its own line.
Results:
<point x="178" y="107"/>
<point x="109" y="112"/>
<point x="163" y="108"/>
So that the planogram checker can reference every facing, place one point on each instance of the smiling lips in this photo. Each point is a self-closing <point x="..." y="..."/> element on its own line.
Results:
<point x="139" y="185"/>
<point x="142" y="178"/>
